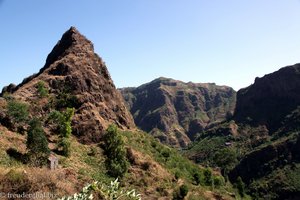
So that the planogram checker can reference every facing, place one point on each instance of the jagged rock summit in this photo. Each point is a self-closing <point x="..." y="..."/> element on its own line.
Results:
<point x="79" y="76"/>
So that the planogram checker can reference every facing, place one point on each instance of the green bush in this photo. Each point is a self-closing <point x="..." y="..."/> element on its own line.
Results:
<point x="17" y="111"/>
<point x="63" y="120"/>
<point x="114" y="149"/>
<point x="218" y="181"/>
<point x="207" y="176"/>
<point x="41" y="89"/>
<point x="65" y="145"/>
<point x="65" y="99"/>
<point x="37" y="143"/>
<point x="181" y="192"/>
<point x="197" y="178"/>
<point x="226" y="159"/>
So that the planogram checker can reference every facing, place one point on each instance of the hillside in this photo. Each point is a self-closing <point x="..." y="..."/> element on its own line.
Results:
<point x="63" y="112"/>
<point x="174" y="111"/>
<point x="260" y="143"/>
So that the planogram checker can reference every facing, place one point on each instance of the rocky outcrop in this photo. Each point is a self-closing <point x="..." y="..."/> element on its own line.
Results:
<point x="270" y="98"/>
<point x="175" y="112"/>
<point x="80" y="78"/>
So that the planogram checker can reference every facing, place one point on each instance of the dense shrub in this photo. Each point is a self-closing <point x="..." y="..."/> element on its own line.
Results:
<point x="17" y="111"/>
<point x="226" y="159"/>
<point x="37" y="143"/>
<point x="208" y="177"/>
<point x="180" y="193"/>
<point x="116" y="161"/>
<point x="65" y="99"/>
<point x="197" y="178"/>
<point x="63" y="121"/>
<point x="218" y="181"/>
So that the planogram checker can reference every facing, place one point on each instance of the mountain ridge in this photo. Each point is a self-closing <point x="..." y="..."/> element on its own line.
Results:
<point x="180" y="109"/>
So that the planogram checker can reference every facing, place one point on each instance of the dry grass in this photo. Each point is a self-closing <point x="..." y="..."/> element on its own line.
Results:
<point x="38" y="180"/>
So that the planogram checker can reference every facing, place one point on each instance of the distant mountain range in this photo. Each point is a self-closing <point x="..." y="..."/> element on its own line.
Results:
<point x="175" y="112"/>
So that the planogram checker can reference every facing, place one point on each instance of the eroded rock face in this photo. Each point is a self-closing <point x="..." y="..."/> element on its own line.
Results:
<point x="174" y="111"/>
<point x="270" y="98"/>
<point x="74" y="69"/>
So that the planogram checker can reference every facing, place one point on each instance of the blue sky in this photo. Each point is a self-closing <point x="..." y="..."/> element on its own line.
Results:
<point x="227" y="42"/>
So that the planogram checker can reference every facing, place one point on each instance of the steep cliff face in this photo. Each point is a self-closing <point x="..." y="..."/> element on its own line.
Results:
<point x="263" y="137"/>
<point x="174" y="111"/>
<point x="79" y="77"/>
<point x="270" y="98"/>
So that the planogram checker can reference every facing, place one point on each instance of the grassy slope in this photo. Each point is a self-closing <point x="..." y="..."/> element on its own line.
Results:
<point x="152" y="171"/>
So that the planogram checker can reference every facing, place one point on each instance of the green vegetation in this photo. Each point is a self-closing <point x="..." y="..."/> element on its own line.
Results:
<point x="65" y="100"/>
<point x="105" y="192"/>
<point x="114" y="149"/>
<point x="218" y="181"/>
<point x="181" y="193"/>
<point x="17" y="111"/>
<point x="63" y="121"/>
<point x="208" y="177"/>
<point x="37" y="143"/>
<point x="240" y="185"/>
<point x="41" y="89"/>
<point x="197" y="178"/>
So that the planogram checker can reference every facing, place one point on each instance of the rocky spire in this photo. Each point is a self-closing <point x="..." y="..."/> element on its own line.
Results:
<point x="72" y="67"/>
<point x="71" y="42"/>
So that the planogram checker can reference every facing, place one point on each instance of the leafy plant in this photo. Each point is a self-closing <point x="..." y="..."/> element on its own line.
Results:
<point x="37" y="143"/>
<point x="63" y="120"/>
<point x="17" y="111"/>
<point x="106" y="192"/>
<point x="197" y="178"/>
<point x="208" y="178"/>
<point x="116" y="161"/>
<point x="226" y="159"/>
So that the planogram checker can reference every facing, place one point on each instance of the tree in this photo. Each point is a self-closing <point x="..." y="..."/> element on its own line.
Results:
<point x="114" y="149"/>
<point x="17" y="111"/>
<point x="37" y="143"/>
<point x="63" y="120"/>
<point x="226" y="159"/>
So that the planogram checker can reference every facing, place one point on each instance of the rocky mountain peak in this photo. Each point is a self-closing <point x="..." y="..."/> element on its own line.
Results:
<point x="72" y="42"/>
<point x="73" y="70"/>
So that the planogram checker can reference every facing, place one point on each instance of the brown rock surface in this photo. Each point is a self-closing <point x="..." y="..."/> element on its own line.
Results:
<point x="73" y="68"/>
<point x="174" y="111"/>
